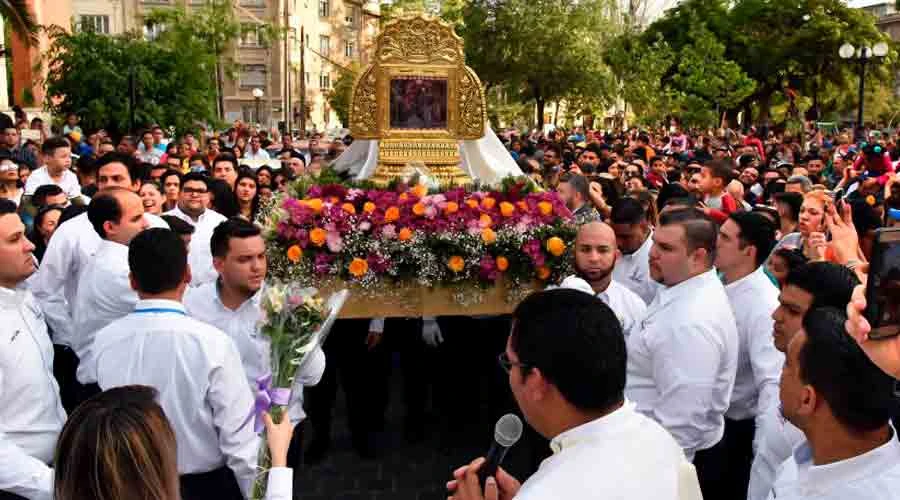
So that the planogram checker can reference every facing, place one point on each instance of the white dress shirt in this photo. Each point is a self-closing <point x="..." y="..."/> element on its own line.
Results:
<point x="202" y="386"/>
<point x="776" y="446"/>
<point x="243" y="326"/>
<point x="627" y="306"/>
<point x="199" y="251"/>
<point x="682" y="361"/>
<point x="262" y="154"/>
<point x="104" y="295"/>
<point x="31" y="414"/>
<point x="633" y="271"/>
<point x="56" y="281"/>
<point x="874" y="475"/>
<point x="753" y="299"/>
<point x="608" y="458"/>
<point x="41" y="177"/>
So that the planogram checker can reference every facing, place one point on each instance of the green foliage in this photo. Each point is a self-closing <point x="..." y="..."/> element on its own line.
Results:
<point x="340" y="95"/>
<point x="20" y="20"/>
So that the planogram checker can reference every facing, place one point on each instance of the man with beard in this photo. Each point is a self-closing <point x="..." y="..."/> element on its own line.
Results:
<point x="574" y="191"/>
<point x="634" y="239"/>
<point x="595" y="258"/>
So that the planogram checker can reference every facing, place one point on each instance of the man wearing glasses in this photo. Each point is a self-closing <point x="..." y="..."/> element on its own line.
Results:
<point x="566" y="362"/>
<point x="192" y="209"/>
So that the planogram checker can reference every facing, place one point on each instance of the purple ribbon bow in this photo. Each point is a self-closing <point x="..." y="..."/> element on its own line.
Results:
<point x="266" y="397"/>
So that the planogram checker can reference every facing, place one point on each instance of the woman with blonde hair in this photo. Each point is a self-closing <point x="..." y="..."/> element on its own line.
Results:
<point x="119" y="445"/>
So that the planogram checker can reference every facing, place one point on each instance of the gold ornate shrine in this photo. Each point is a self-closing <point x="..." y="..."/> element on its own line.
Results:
<point x="418" y="99"/>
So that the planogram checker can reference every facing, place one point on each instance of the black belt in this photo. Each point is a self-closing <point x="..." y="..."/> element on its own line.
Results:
<point x="219" y="484"/>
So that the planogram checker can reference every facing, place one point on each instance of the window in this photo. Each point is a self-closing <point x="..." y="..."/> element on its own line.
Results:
<point x="324" y="45"/>
<point x="253" y="3"/>
<point x="349" y="49"/>
<point x="306" y="75"/>
<point x="324" y="81"/>
<point x="352" y="16"/>
<point x="97" y="24"/>
<point x="253" y="75"/>
<point x="152" y="31"/>
<point x="324" y="8"/>
<point x="251" y="36"/>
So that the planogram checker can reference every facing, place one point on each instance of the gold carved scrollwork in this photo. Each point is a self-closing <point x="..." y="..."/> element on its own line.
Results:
<point x="419" y="40"/>
<point x="364" y="107"/>
<point x="472" y="115"/>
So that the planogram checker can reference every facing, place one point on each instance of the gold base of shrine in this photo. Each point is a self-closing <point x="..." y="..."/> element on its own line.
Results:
<point x="435" y="158"/>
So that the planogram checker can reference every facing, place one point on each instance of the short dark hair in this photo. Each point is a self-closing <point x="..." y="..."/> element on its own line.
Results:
<point x="579" y="183"/>
<point x="53" y="143"/>
<point x="105" y="207"/>
<point x="628" y="211"/>
<point x="7" y="206"/>
<point x="234" y="227"/>
<point x="699" y="230"/>
<point x="793" y="201"/>
<point x="757" y="231"/>
<point x="135" y="170"/>
<point x="831" y="285"/>
<point x="230" y="158"/>
<point x="39" y="198"/>
<point x="168" y="173"/>
<point x="721" y="169"/>
<point x="793" y="257"/>
<point x="572" y="337"/>
<point x="859" y="394"/>
<point x="157" y="259"/>
<point x="180" y="227"/>
<point x="195" y="176"/>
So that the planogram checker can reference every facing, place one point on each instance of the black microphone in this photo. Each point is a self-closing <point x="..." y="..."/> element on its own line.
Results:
<point x="506" y="433"/>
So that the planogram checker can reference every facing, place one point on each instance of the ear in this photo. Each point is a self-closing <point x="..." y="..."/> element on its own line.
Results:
<point x="108" y="227"/>
<point x="536" y="385"/>
<point x="809" y="401"/>
<point x="132" y="282"/>
<point x="219" y="264"/>
<point x="188" y="277"/>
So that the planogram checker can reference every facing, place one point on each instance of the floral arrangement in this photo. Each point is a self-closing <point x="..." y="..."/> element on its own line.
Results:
<point x="365" y="235"/>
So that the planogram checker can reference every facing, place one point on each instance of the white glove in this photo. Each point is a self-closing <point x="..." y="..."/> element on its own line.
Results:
<point x="431" y="332"/>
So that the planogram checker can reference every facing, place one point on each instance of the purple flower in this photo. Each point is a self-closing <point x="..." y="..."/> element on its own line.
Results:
<point x="322" y="263"/>
<point x="378" y="263"/>
<point x="487" y="268"/>
<point x="334" y="241"/>
<point x="389" y="232"/>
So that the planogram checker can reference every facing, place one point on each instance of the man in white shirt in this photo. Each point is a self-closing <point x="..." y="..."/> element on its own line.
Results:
<point x="683" y="358"/>
<point x="595" y="258"/>
<point x="634" y="238"/>
<point x="842" y="402"/>
<point x="817" y="284"/>
<point x="566" y="360"/>
<point x="195" y="367"/>
<point x="232" y="304"/>
<point x="57" y="156"/>
<point x="225" y="167"/>
<point x="192" y="209"/>
<point x="255" y="151"/>
<point x="745" y="241"/>
<point x="104" y="291"/>
<point x="31" y="415"/>
<point x="73" y="244"/>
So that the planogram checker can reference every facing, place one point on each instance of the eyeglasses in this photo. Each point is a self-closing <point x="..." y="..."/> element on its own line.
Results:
<point x="197" y="191"/>
<point x="507" y="363"/>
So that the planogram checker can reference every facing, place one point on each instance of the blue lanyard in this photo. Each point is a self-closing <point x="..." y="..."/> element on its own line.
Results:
<point x="159" y="310"/>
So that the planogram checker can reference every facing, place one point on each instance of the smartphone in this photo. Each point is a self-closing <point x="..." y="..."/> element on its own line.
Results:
<point x="883" y="289"/>
<point x="839" y="201"/>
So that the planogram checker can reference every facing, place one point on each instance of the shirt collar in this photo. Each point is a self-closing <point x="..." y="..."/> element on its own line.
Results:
<point x="177" y="212"/>
<point x="11" y="297"/>
<point x="819" y="479"/>
<point x="755" y="275"/>
<point x="642" y="250"/>
<point x="254" y="300"/>
<point x="159" y="304"/>
<point x="667" y="294"/>
<point x="595" y="430"/>
<point x="113" y="247"/>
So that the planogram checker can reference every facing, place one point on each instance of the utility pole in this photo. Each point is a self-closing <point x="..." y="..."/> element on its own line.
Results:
<point x="302" y="81"/>
<point x="287" y="108"/>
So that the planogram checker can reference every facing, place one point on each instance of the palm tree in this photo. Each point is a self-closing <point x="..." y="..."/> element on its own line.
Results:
<point x="20" y="19"/>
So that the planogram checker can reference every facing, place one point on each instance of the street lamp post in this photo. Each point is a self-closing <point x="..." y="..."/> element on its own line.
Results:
<point x="257" y="95"/>
<point x="863" y="55"/>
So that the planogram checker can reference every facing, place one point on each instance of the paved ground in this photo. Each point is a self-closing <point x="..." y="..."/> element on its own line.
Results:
<point x="403" y="471"/>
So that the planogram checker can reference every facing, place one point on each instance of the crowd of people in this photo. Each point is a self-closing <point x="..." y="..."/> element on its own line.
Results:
<point x="710" y="343"/>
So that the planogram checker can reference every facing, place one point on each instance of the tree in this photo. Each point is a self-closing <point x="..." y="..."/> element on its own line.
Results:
<point x="88" y="74"/>
<point x="21" y="22"/>
<point x="544" y="49"/>
<point x="340" y="96"/>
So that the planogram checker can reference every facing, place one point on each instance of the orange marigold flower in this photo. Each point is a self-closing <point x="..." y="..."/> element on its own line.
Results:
<point x="405" y="234"/>
<point x="502" y="263"/>
<point x="488" y="236"/>
<point x="315" y="204"/>
<point x="488" y="203"/>
<point x="543" y="272"/>
<point x="545" y="207"/>
<point x="359" y="267"/>
<point x="456" y="263"/>
<point x="556" y="246"/>
<point x="485" y="220"/>
<point x="507" y="209"/>
<point x="349" y="208"/>
<point x="317" y="236"/>
<point x="368" y="207"/>
<point x="333" y="200"/>
<point x="419" y="190"/>
<point x="419" y="209"/>
<point x="522" y="206"/>
<point x="294" y="254"/>
<point x="403" y="197"/>
<point x="472" y="203"/>
<point x="391" y="214"/>
<point x="452" y="207"/>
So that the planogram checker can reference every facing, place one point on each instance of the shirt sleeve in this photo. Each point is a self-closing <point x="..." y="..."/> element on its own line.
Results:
<point x="230" y="399"/>
<point x="773" y="451"/>
<point x="766" y="363"/>
<point x="49" y="286"/>
<point x="280" y="483"/>
<point x="22" y="474"/>
<point x="685" y="367"/>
